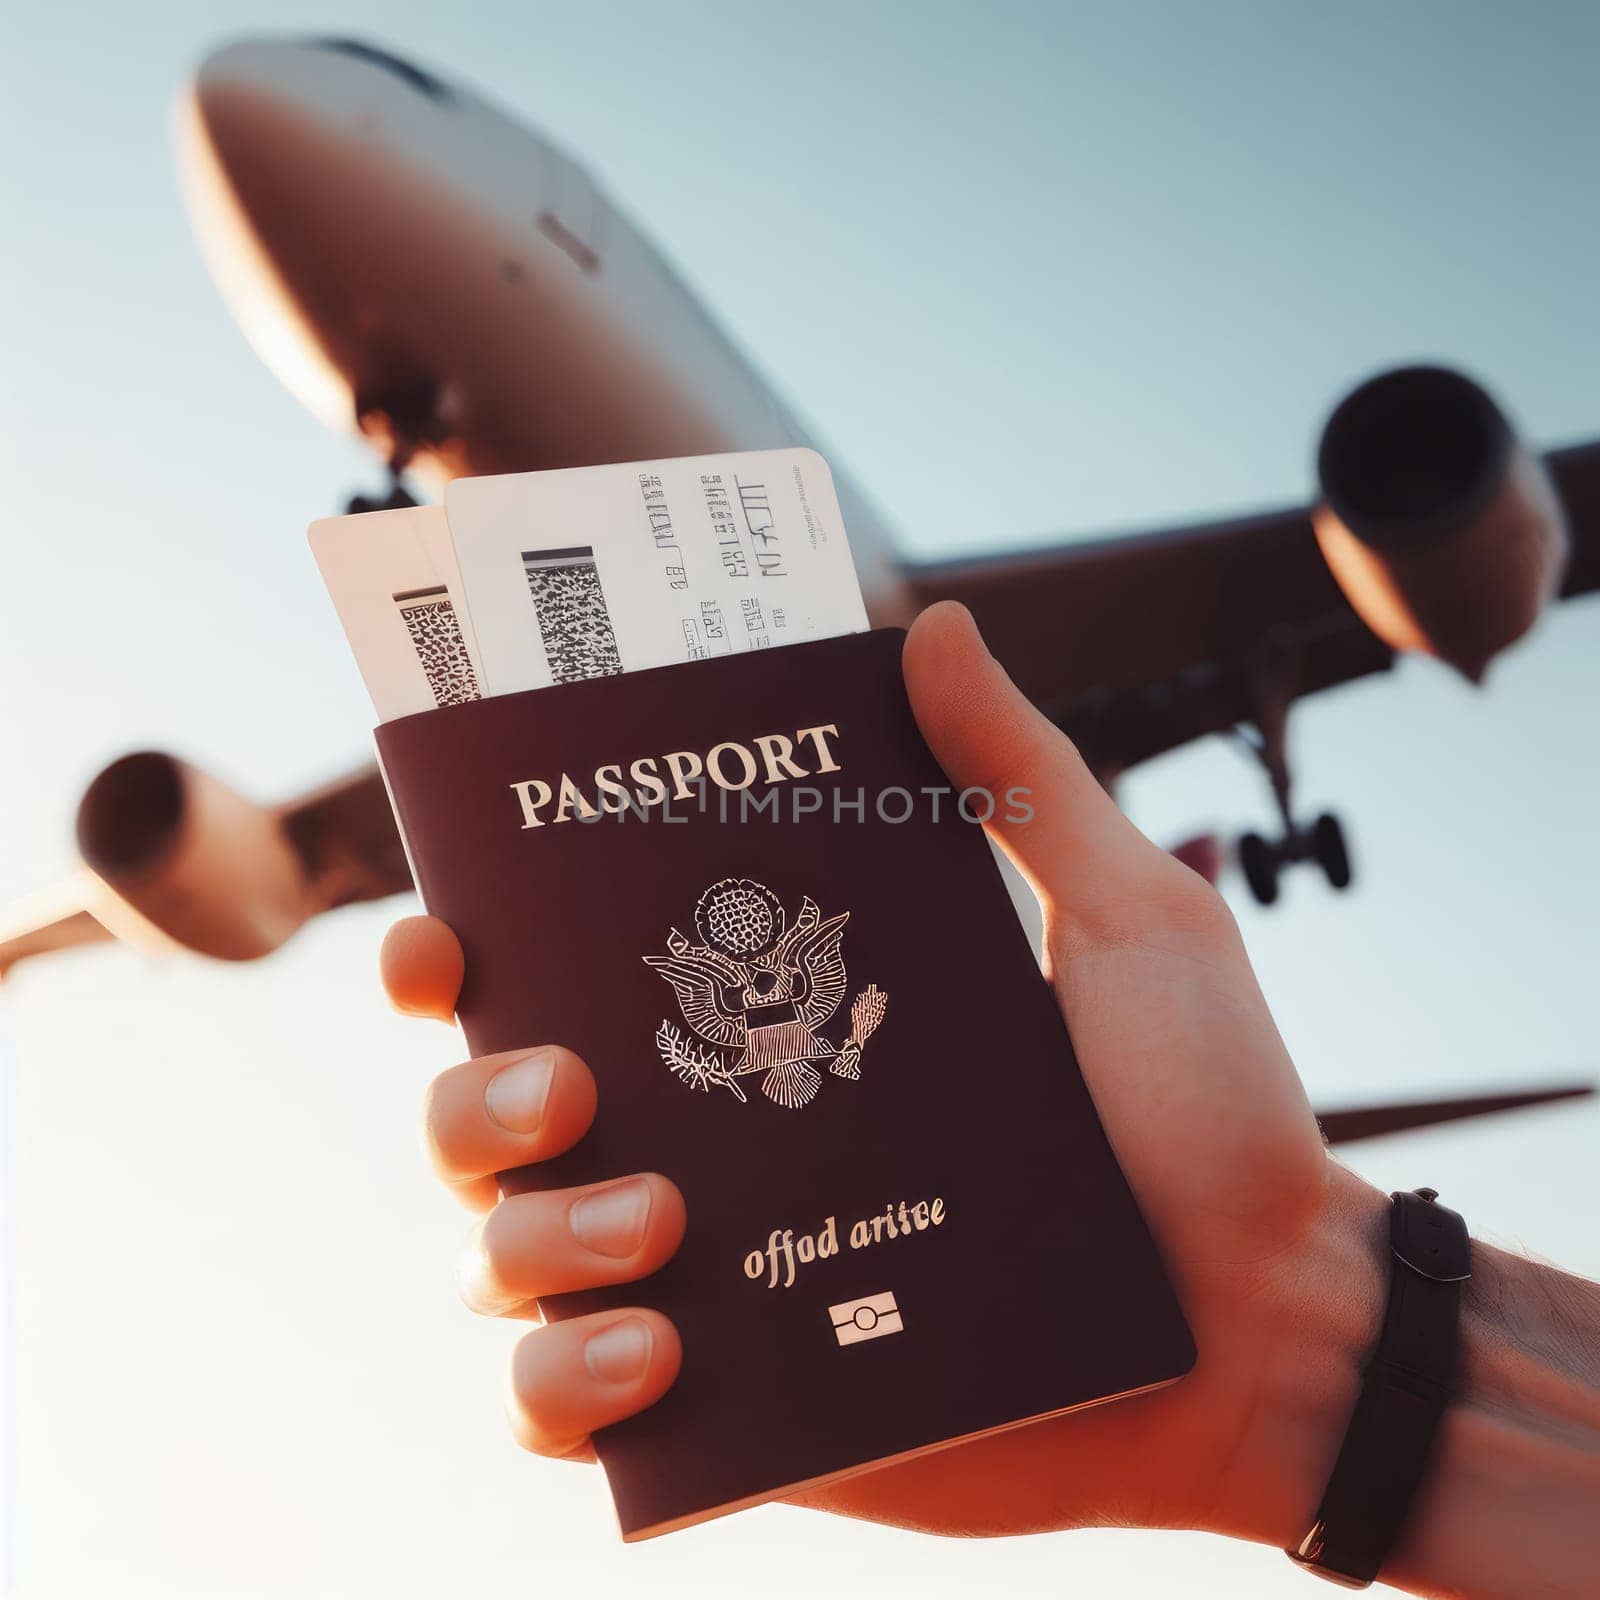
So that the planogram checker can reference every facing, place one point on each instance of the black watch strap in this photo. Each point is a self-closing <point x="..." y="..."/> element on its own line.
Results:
<point x="1407" y="1387"/>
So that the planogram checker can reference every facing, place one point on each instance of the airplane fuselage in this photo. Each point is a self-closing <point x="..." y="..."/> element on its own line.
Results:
<point x="411" y="262"/>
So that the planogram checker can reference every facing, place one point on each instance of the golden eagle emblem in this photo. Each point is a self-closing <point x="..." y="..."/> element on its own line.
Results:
<point x="761" y="987"/>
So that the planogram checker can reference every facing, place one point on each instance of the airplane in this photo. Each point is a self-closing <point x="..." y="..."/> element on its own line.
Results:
<point x="415" y="265"/>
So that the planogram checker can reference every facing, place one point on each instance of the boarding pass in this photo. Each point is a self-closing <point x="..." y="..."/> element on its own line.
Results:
<point x="551" y="577"/>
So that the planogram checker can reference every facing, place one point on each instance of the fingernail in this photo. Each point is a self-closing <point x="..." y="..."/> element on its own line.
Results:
<point x="611" y="1222"/>
<point x="515" y="1096"/>
<point x="619" y="1354"/>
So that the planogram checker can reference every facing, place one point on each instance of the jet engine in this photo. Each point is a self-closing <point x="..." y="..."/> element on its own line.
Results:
<point x="1445" y="534"/>
<point x="208" y="868"/>
<point x="221" y="874"/>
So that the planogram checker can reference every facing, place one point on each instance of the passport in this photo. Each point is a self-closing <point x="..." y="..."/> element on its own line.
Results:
<point x="745" y="892"/>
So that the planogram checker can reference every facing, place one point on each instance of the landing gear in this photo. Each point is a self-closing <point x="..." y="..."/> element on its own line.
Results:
<point x="397" y="497"/>
<point x="401" y="450"/>
<point x="1263" y="860"/>
<point x="398" y="418"/>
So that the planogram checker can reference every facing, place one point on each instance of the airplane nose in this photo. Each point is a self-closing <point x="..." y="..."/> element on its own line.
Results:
<point x="287" y="154"/>
<point x="238" y="118"/>
<point x="257" y="107"/>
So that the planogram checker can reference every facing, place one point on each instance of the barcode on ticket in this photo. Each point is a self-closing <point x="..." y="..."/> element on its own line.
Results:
<point x="570" y="606"/>
<point x="435" y="632"/>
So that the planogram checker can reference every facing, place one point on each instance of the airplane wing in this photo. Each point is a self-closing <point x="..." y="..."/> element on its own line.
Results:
<point x="1371" y="1122"/>
<point x="1134" y="645"/>
<point x="1137" y="645"/>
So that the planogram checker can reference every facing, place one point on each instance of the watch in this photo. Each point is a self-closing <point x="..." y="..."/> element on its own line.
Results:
<point x="1408" y="1384"/>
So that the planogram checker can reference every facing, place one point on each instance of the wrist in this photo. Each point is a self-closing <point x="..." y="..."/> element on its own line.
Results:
<point x="1314" y="1324"/>
<point x="1506" y="1506"/>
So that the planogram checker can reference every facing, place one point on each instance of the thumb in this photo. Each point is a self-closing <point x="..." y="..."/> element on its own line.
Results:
<point x="1064" y="833"/>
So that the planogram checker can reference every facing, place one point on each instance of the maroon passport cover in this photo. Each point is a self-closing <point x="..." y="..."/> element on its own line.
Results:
<point x="826" y="1026"/>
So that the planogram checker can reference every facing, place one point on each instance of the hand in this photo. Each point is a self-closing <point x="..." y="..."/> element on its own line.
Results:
<point x="1273" y="1248"/>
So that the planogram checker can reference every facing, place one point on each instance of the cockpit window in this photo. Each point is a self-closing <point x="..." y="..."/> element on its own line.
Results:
<point x="423" y="82"/>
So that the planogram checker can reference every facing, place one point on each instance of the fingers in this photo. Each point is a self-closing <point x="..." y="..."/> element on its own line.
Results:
<point x="564" y="1239"/>
<point x="422" y="967"/>
<point x="510" y="1110"/>
<point x="1050" y="814"/>
<point x="573" y="1377"/>
<point x="504" y="1111"/>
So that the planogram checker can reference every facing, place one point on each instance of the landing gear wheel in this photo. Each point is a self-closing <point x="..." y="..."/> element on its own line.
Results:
<point x="1260" y="863"/>
<point x="395" y="500"/>
<point x="1328" y="846"/>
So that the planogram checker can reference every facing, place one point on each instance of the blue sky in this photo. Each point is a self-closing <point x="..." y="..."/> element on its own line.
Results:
<point x="1033" y="271"/>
